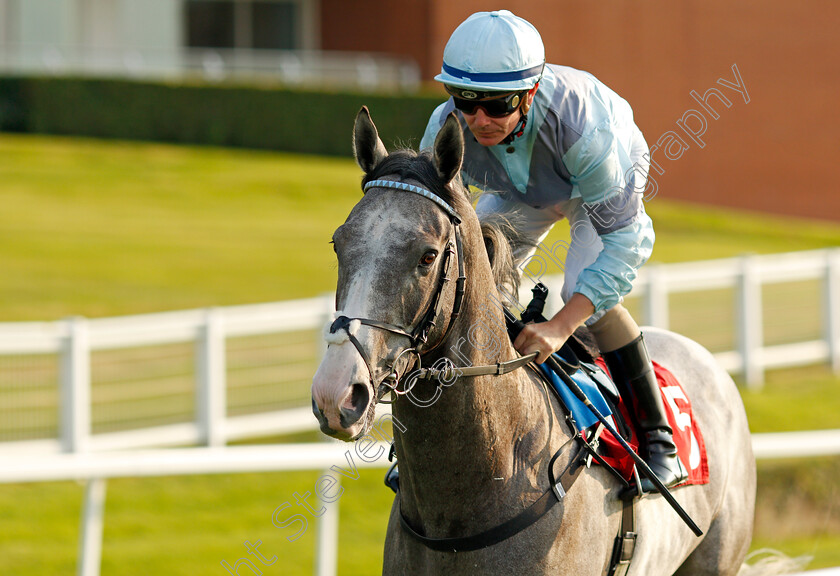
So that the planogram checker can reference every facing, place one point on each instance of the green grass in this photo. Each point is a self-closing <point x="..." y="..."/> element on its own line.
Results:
<point x="804" y="398"/>
<point x="687" y="232"/>
<point x="105" y="228"/>
<point x="798" y="509"/>
<point x="102" y="228"/>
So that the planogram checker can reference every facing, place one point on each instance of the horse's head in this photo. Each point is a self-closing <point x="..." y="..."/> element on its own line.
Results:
<point x="396" y="252"/>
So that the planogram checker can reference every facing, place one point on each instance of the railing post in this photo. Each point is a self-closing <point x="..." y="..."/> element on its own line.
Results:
<point x="750" y="324"/>
<point x="211" y="396"/>
<point x="75" y="387"/>
<point x="90" y="543"/>
<point x="554" y="302"/>
<point x="656" y="297"/>
<point x="831" y="297"/>
<point x="326" y="552"/>
<point x="328" y="307"/>
<point x="326" y="542"/>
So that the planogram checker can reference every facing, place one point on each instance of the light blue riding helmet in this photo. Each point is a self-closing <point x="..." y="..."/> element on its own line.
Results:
<point x="493" y="51"/>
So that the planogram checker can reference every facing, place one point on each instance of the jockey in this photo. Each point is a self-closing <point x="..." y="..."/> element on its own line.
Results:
<point x="553" y="142"/>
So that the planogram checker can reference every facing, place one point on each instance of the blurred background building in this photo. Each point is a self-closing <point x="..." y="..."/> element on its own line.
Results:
<point x="775" y="152"/>
<point x="213" y="39"/>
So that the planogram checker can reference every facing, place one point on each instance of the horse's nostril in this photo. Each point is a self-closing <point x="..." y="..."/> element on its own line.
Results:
<point x="355" y="406"/>
<point x="360" y="397"/>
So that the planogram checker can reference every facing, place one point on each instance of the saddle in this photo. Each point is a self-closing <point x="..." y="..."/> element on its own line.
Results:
<point x="580" y="358"/>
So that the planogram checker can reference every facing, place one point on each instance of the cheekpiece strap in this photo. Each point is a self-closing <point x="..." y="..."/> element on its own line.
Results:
<point x="417" y="190"/>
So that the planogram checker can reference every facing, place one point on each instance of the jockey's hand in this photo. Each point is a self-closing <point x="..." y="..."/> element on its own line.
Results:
<point x="548" y="337"/>
<point x="545" y="338"/>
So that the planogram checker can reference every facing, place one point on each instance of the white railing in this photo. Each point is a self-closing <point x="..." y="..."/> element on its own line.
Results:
<point x="210" y="332"/>
<point x="748" y="275"/>
<point x="74" y="340"/>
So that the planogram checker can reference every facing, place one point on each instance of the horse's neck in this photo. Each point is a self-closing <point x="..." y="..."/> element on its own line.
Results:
<point x="486" y="440"/>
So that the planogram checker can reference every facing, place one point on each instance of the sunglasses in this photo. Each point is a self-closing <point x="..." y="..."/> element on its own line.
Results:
<point x="494" y="105"/>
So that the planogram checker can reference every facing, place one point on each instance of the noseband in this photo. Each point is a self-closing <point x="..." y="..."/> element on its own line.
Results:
<point x="418" y="337"/>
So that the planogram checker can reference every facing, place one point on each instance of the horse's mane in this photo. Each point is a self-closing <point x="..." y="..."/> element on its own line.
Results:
<point x="499" y="234"/>
<point x="500" y="238"/>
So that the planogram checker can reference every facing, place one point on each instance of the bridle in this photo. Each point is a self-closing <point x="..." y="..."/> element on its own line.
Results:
<point x="418" y="337"/>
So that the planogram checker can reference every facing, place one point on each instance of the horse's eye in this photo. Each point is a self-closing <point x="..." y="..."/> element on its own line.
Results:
<point x="428" y="258"/>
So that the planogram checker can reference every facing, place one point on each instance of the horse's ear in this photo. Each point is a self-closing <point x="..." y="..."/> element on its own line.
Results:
<point x="367" y="147"/>
<point x="449" y="149"/>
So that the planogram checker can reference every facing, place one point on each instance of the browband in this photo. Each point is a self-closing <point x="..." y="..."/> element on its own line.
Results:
<point x="417" y="190"/>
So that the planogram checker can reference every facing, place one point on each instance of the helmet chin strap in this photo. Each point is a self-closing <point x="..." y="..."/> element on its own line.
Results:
<point x="524" y="108"/>
<point x="518" y="131"/>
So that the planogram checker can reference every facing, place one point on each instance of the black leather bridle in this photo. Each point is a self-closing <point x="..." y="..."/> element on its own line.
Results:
<point x="418" y="337"/>
<point x="389" y="381"/>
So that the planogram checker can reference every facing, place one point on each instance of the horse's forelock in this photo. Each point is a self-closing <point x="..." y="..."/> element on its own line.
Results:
<point x="499" y="233"/>
<point x="419" y="166"/>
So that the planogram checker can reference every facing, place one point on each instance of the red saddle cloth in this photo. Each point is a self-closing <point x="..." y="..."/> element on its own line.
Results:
<point x="687" y="436"/>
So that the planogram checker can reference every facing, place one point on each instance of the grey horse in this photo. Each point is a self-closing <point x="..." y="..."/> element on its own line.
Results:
<point x="478" y="454"/>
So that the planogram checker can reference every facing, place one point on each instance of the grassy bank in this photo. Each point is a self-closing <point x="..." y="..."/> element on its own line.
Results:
<point x="101" y="228"/>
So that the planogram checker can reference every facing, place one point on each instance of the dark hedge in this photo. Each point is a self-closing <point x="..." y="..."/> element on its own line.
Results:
<point x="306" y="121"/>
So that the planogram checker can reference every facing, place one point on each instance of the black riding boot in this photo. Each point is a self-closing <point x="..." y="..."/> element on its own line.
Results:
<point x="632" y="372"/>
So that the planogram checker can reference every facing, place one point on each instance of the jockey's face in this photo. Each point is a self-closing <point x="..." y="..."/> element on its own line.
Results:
<point x="489" y="131"/>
